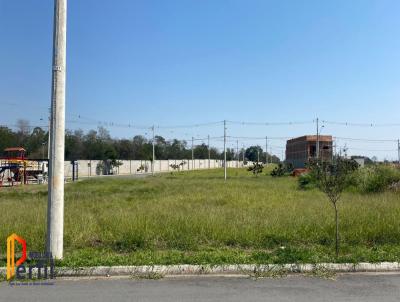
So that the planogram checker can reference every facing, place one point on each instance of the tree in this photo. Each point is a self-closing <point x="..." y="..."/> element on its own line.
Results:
<point x="161" y="146"/>
<point x="214" y="153"/>
<point x="230" y="154"/>
<point x="103" y="134"/>
<point x="201" y="151"/>
<point x="74" y="145"/>
<point x="332" y="178"/>
<point x="176" y="150"/>
<point x="7" y="138"/>
<point x="139" y="142"/>
<point x="253" y="153"/>
<point x="124" y="148"/>
<point x="92" y="146"/>
<point x="36" y="142"/>
<point x="273" y="159"/>
<point x="99" y="145"/>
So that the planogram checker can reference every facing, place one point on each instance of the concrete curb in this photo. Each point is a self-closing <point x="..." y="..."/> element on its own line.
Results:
<point x="233" y="269"/>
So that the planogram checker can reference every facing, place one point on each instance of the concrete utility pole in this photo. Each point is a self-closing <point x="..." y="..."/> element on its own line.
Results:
<point x="209" y="152"/>
<point x="192" y="153"/>
<point x="398" y="150"/>
<point x="49" y="137"/>
<point x="266" y="150"/>
<point x="154" y="152"/>
<point x="55" y="207"/>
<point x="225" y="149"/>
<point x="237" y="153"/>
<point x="317" y="146"/>
<point x="258" y="156"/>
<point x="333" y="149"/>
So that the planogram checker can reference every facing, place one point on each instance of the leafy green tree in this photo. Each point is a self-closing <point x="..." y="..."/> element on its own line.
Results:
<point x="252" y="153"/>
<point x="98" y="144"/>
<point x="140" y="143"/>
<point x="176" y="150"/>
<point x="92" y="146"/>
<point x="124" y="148"/>
<point x="161" y="147"/>
<point x="74" y="145"/>
<point x="36" y="143"/>
<point x="201" y="151"/>
<point x="7" y="138"/>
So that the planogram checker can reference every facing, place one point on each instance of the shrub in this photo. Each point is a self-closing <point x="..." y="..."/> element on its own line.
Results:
<point x="309" y="180"/>
<point x="377" y="178"/>
<point x="306" y="181"/>
<point x="256" y="168"/>
<point x="282" y="170"/>
<point x="371" y="179"/>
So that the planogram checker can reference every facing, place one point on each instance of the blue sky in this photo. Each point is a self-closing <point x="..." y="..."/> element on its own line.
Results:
<point x="185" y="62"/>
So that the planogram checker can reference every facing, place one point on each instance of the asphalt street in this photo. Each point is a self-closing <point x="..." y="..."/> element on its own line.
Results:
<point x="349" y="287"/>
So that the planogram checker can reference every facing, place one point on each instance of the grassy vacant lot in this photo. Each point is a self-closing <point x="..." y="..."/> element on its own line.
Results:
<point x="198" y="218"/>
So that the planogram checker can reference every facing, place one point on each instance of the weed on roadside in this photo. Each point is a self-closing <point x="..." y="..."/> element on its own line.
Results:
<point x="322" y="272"/>
<point x="269" y="271"/>
<point x="147" y="276"/>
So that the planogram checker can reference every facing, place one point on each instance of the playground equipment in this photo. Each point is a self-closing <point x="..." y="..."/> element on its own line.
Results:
<point x="16" y="169"/>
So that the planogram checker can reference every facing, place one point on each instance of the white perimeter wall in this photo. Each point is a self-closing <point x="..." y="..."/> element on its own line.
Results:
<point x="87" y="168"/>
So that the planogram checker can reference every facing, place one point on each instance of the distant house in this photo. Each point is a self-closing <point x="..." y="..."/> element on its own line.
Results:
<point x="301" y="149"/>
<point x="360" y="161"/>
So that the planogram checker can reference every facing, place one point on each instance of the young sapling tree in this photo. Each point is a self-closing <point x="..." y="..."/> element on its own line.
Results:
<point x="332" y="178"/>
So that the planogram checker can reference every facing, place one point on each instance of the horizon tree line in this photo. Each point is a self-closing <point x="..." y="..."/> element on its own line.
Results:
<point x="99" y="145"/>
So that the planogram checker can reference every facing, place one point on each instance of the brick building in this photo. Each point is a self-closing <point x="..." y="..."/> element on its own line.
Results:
<point x="301" y="149"/>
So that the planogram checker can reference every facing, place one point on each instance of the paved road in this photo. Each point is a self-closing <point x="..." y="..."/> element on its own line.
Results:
<point x="380" y="288"/>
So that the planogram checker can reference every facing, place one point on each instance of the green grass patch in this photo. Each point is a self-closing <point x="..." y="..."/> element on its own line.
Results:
<point x="197" y="218"/>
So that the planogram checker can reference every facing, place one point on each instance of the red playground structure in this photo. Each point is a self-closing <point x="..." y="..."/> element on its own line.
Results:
<point x="16" y="169"/>
<point x="13" y="166"/>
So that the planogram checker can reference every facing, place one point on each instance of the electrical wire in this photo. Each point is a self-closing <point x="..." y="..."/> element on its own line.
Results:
<point x="269" y="123"/>
<point x="361" y="124"/>
<point x="365" y="139"/>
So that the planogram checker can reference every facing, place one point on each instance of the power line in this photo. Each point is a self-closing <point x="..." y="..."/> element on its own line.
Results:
<point x="361" y="124"/>
<point x="259" y="137"/>
<point x="27" y="126"/>
<point x="108" y="124"/>
<point x="372" y="150"/>
<point x="91" y="121"/>
<point x="365" y="139"/>
<point x="206" y="138"/>
<point x="269" y="123"/>
<point x="190" y="125"/>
